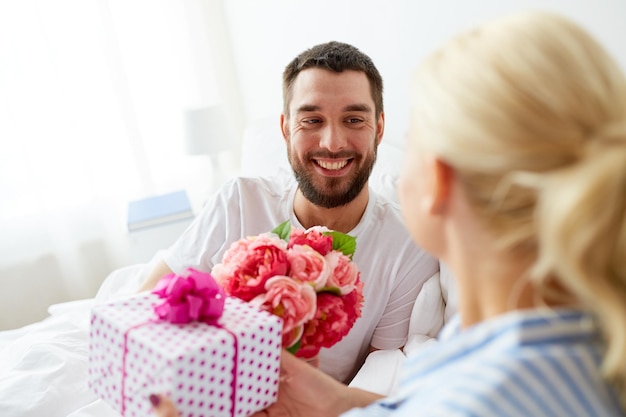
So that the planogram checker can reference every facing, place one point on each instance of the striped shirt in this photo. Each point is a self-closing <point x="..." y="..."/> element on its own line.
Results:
<point x="524" y="363"/>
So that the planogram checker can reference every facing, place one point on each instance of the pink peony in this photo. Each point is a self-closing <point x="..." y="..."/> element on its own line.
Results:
<point x="248" y="264"/>
<point x="344" y="273"/>
<point x="333" y="319"/>
<point x="309" y="266"/>
<point x="312" y="237"/>
<point x="293" y="301"/>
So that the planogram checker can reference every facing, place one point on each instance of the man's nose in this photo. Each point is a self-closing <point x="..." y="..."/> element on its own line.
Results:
<point x="333" y="138"/>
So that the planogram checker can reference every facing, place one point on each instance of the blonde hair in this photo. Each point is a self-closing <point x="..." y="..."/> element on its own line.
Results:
<point x="531" y="113"/>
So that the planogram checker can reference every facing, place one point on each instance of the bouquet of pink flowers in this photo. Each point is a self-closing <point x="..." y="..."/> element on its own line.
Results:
<point x="305" y="277"/>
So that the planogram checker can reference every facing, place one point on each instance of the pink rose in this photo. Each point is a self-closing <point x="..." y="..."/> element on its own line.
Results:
<point x="293" y="301"/>
<point x="344" y="272"/>
<point x="308" y="266"/>
<point x="249" y="263"/>
<point x="312" y="237"/>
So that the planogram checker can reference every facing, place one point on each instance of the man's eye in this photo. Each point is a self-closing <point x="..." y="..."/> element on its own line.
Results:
<point x="353" y="120"/>
<point x="312" y="121"/>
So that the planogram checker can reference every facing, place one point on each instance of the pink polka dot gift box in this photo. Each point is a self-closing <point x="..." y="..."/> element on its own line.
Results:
<point x="212" y="355"/>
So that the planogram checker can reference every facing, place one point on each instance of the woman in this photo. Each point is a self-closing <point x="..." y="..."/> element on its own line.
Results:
<point x="516" y="178"/>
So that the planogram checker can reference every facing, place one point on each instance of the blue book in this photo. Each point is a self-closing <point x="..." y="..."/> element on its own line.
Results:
<point x="158" y="210"/>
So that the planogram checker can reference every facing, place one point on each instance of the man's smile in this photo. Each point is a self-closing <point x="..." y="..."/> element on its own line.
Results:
<point x="332" y="165"/>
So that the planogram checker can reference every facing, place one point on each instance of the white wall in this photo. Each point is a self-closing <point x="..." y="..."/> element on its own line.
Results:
<point x="267" y="34"/>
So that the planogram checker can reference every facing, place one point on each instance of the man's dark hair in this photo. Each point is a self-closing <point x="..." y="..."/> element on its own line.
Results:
<point x="337" y="57"/>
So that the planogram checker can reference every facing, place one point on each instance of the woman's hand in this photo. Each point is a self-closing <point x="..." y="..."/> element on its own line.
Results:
<point x="162" y="406"/>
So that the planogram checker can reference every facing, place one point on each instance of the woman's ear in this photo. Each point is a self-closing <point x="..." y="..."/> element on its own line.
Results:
<point x="440" y="177"/>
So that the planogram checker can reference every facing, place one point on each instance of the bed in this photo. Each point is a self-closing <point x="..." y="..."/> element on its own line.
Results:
<point x="43" y="366"/>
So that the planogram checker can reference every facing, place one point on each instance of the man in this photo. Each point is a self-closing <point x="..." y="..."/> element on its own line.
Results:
<point x="332" y="123"/>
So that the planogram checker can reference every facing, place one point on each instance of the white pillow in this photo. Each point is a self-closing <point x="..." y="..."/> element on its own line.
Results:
<point x="263" y="150"/>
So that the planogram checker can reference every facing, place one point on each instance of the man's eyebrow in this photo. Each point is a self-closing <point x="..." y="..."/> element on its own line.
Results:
<point x="349" y="108"/>
<point x="357" y="107"/>
<point x="307" y="108"/>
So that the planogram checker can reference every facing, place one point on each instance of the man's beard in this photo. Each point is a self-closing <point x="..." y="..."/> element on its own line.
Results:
<point x="335" y="192"/>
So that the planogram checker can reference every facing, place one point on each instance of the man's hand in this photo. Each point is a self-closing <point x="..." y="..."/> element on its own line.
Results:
<point x="159" y="271"/>
<point x="305" y="391"/>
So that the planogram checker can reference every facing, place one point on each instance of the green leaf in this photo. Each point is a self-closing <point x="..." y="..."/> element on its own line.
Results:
<point x="343" y="242"/>
<point x="293" y="349"/>
<point x="283" y="230"/>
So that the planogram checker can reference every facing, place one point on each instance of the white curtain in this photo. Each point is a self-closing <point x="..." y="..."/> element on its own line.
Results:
<point x="91" y="100"/>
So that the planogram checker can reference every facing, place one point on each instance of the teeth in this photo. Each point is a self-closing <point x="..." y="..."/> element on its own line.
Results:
<point x="332" y="165"/>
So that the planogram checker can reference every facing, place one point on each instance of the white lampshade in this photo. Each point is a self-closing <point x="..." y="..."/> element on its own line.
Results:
<point x="206" y="131"/>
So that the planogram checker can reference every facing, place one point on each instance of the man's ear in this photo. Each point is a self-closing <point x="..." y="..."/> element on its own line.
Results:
<point x="284" y="126"/>
<point x="380" y="128"/>
<point x="440" y="183"/>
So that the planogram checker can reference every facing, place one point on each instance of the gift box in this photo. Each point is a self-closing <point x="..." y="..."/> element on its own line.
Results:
<point x="226" y="368"/>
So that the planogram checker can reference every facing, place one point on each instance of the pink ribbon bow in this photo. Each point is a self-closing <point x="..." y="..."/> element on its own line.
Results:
<point x="193" y="296"/>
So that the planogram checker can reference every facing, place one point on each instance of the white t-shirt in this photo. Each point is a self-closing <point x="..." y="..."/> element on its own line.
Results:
<point x="392" y="267"/>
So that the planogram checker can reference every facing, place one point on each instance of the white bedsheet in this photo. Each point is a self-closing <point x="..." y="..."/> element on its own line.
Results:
<point x="43" y="366"/>
<point x="43" y="370"/>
